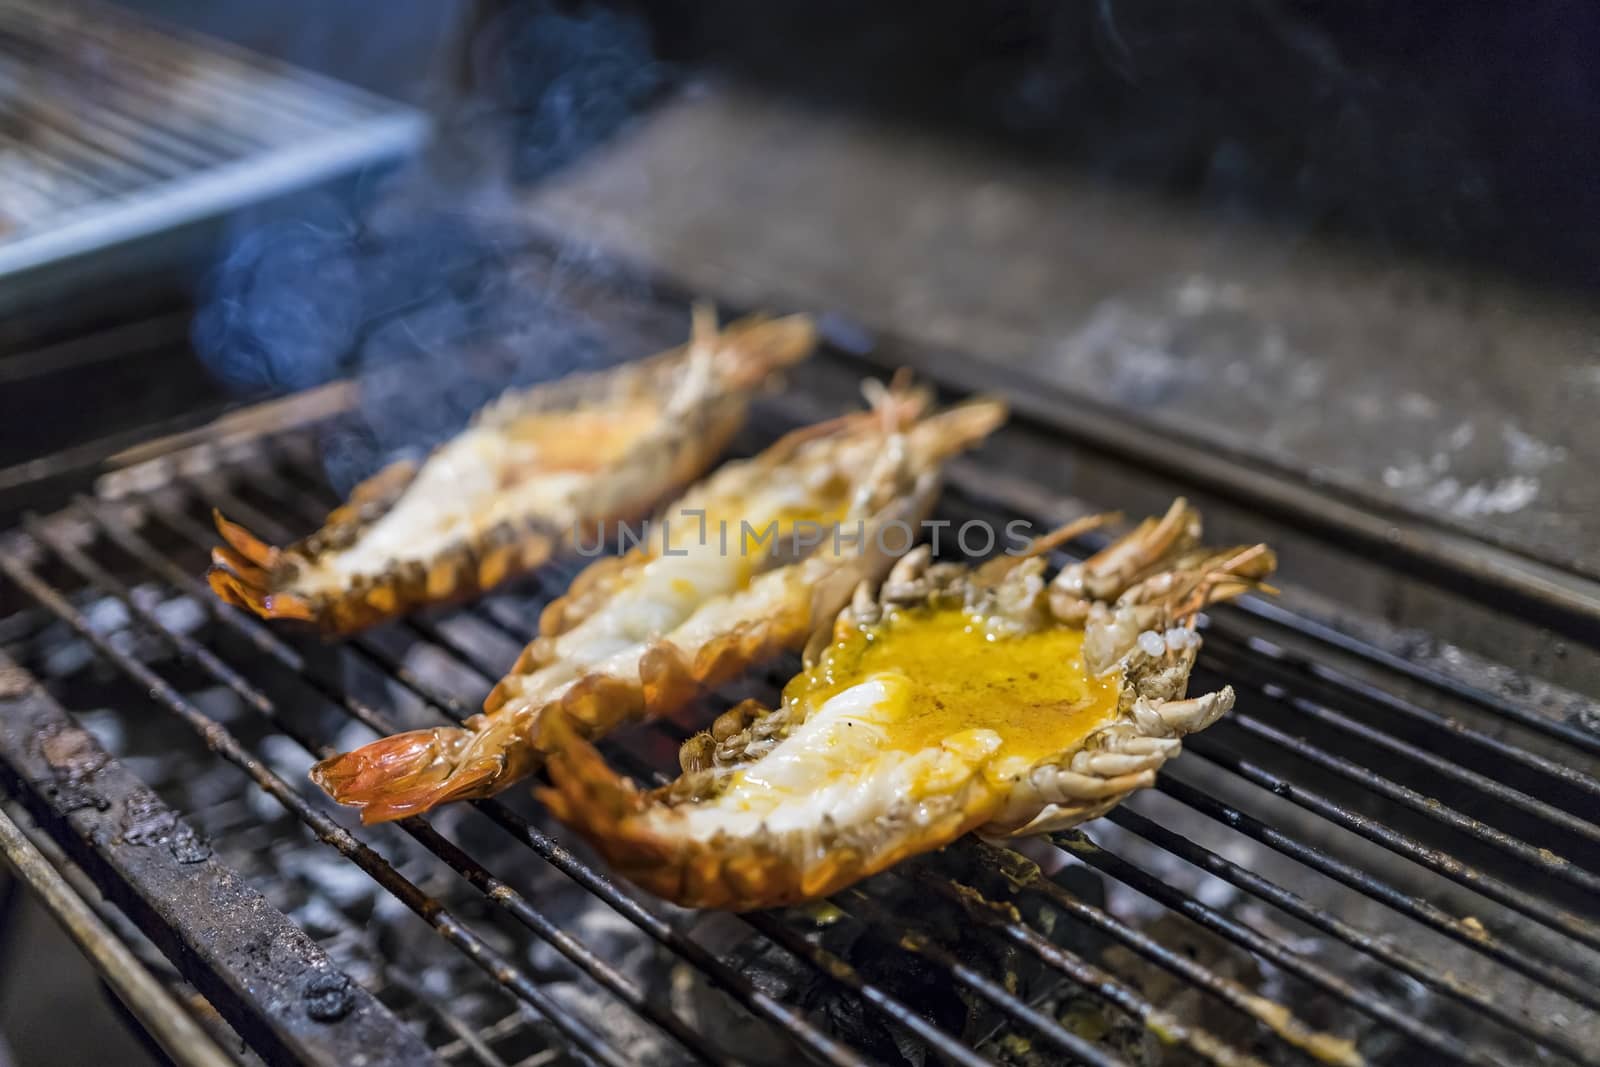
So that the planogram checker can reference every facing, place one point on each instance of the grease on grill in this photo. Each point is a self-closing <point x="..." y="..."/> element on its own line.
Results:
<point x="328" y="997"/>
<point x="147" y="821"/>
<point x="187" y="846"/>
<point x="14" y="681"/>
<point x="73" y="758"/>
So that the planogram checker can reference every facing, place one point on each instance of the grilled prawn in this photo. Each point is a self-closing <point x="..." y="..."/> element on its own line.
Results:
<point x="951" y="700"/>
<point x="747" y="564"/>
<point x="535" y="468"/>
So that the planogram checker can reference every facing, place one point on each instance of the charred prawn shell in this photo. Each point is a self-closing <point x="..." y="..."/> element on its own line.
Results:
<point x="947" y="700"/>
<point x="535" y="468"/>
<point x="728" y="583"/>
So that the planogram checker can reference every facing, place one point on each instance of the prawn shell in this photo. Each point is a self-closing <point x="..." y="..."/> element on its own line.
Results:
<point x="495" y="748"/>
<point x="671" y="678"/>
<point x="597" y="583"/>
<point x="760" y="871"/>
<point x="412" y="772"/>
<point x="1168" y="578"/>
<point x="249" y="573"/>
<point x="590" y="590"/>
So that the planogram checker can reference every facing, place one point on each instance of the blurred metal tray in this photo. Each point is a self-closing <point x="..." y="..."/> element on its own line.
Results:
<point x="114" y="132"/>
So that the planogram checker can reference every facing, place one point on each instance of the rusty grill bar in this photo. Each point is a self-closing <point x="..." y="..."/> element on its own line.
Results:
<point x="1316" y="766"/>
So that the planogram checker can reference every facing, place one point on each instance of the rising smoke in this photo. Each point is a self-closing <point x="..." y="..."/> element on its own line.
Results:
<point x="411" y="281"/>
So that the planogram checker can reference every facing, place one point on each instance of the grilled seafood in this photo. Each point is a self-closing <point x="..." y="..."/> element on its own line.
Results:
<point x="952" y="700"/>
<point x="747" y="564"/>
<point x="535" y="468"/>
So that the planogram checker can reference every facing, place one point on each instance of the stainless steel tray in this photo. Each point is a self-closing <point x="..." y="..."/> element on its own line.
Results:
<point x="114" y="133"/>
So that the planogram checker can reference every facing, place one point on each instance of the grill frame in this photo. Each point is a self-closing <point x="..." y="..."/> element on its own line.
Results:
<point x="146" y="998"/>
<point x="148" y="862"/>
<point x="277" y="467"/>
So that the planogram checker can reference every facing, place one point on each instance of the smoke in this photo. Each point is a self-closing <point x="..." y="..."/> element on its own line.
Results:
<point x="412" y="281"/>
<point x="565" y="80"/>
<point x="285" y="304"/>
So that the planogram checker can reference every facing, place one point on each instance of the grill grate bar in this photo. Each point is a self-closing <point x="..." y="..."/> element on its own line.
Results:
<point x="83" y="183"/>
<point x="1026" y="876"/>
<point x="116" y="123"/>
<point x="774" y="1011"/>
<point x="839" y="971"/>
<point x="86" y="157"/>
<point x="465" y="1036"/>
<point x="185" y="646"/>
<point x="1001" y="917"/>
<point x="220" y="740"/>
<point x="1429" y="807"/>
<point x="99" y="123"/>
<point x="1436" y="860"/>
<point x="216" y="931"/>
<point x="419" y="829"/>
<point x="981" y="984"/>
<point x="1078" y="844"/>
<point x="581" y="955"/>
<point x="150" y="1001"/>
<point x="1543" y="858"/>
<point x="1293" y="904"/>
<point x="177" y="143"/>
<point x="1413" y="907"/>
<point x="208" y="114"/>
<point x="1256" y="650"/>
<point x="1255" y="607"/>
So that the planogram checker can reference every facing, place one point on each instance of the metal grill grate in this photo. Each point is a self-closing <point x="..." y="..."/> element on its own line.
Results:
<point x="112" y="131"/>
<point x="1409" y="864"/>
